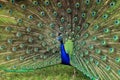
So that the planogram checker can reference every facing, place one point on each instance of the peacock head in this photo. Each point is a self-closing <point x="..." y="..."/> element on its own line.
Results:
<point x="60" y="37"/>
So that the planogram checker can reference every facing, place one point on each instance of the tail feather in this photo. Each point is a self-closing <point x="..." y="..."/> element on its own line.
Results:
<point x="28" y="31"/>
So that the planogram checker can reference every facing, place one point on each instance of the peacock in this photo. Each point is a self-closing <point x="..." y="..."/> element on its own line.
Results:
<point x="84" y="34"/>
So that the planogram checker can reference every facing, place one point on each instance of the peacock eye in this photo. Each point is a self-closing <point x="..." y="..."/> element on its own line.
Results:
<point x="83" y="15"/>
<point x="10" y="11"/>
<point x="77" y="5"/>
<point x="75" y="19"/>
<point x="28" y="51"/>
<point x="40" y="25"/>
<point x="52" y="25"/>
<point x="86" y="52"/>
<point x="14" y="49"/>
<point x="20" y="20"/>
<point x="42" y="13"/>
<point x="30" y="40"/>
<point x="52" y="35"/>
<point x="103" y="42"/>
<point x="10" y="41"/>
<point x="59" y="4"/>
<point x="104" y="58"/>
<point x="119" y="72"/>
<point x="23" y="6"/>
<point x="98" y="1"/>
<point x="54" y="42"/>
<point x="68" y="26"/>
<point x="78" y="28"/>
<point x="18" y="34"/>
<point x="111" y="50"/>
<point x="97" y="51"/>
<point x="69" y="10"/>
<point x="61" y="29"/>
<point x="95" y="27"/>
<point x="91" y="47"/>
<point x="22" y="45"/>
<point x="35" y="3"/>
<point x="44" y="44"/>
<point x="86" y="25"/>
<point x="82" y="43"/>
<point x="117" y="59"/>
<point x="112" y="4"/>
<point x="8" y="58"/>
<point x="105" y="16"/>
<point x="94" y="38"/>
<point x="106" y="30"/>
<point x="22" y="58"/>
<point x="0" y="6"/>
<point x="41" y="37"/>
<point x="30" y="17"/>
<point x="28" y="29"/>
<point x="55" y="14"/>
<point x="115" y="37"/>
<point x="62" y="19"/>
<point x="8" y="29"/>
<point x="47" y="2"/>
<point x="12" y="1"/>
<point x="86" y="35"/>
<point x="97" y="63"/>
<point x="93" y="13"/>
<point x="108" y="67"/>
<point x="36" y="49"/>
<point x="117" y="22"/>
<point x="87" y="2"/>
<point x="2" y="47"/>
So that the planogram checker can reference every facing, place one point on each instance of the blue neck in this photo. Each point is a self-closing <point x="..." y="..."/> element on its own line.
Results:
<point x="64" y="56"/>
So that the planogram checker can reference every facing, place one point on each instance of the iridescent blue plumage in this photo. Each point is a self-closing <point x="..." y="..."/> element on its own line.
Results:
<point x="64" y="56"/>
